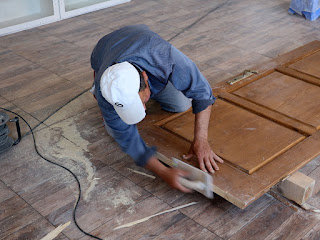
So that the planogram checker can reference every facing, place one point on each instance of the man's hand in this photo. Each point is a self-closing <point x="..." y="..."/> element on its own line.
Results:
<point x="172" y="175"/>
<point x="200" y="146"/>
<point x="206" y="157"/>
<point x="169" y="175"/>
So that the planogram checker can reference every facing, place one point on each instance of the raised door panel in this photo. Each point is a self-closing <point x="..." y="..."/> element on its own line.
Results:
<point x="309" y="65"/>
<point x="244" y="139"/>
<point x="287" y="95"/>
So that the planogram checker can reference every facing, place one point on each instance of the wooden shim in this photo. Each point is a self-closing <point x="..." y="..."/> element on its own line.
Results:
<point x="51" y="235"/>
<point x="298" y="187"/>
<point x="302" y="76"/>
<point x="270" y="114"/>
<point x="154" y="215"/>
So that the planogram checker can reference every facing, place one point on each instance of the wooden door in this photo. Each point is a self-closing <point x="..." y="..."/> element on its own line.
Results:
<point x="265" y="127"/>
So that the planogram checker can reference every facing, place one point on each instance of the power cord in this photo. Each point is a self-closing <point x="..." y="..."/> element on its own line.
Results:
<point x="75" y="177"/>
<point x="74" y="98"/>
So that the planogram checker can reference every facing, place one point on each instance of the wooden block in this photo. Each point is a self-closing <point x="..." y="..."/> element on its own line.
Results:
<point x="298" y="187"/>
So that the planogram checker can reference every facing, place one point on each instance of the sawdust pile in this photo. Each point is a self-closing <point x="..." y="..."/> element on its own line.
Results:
<point x="63" y="144"/>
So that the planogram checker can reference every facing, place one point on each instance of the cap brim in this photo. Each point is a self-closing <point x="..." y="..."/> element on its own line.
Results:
<point x="133" y="113"/>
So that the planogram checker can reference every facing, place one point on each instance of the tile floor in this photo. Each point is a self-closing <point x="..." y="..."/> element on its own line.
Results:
<point x="44" y="68"/>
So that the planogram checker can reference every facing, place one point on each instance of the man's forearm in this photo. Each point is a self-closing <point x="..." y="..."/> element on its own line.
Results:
<point x="202" y="124"/>
<point x="156" y="166"/>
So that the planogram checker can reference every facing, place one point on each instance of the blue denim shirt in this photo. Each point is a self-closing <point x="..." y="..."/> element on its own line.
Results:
<point x="162" y="62"/>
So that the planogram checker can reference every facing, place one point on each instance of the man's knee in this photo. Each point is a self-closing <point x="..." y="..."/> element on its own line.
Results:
<point x="181" y="105"/>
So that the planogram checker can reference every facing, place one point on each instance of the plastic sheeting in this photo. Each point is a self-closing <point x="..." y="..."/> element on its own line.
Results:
<point x="310" y="9"/>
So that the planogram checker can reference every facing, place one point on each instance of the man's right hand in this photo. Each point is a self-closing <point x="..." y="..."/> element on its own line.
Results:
<point x="169" y="175"/>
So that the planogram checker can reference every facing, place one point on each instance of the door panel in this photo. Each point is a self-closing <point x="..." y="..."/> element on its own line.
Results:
<point x="288" y="95"/>
<point x="266" y="126"/>
<point x="309" y="65"/>
<point x="242" y="138"/>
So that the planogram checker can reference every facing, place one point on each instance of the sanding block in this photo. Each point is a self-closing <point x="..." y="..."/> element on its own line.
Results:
<point x="198" y="180"/>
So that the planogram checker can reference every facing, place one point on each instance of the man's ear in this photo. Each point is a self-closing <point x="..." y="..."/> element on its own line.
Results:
<point x="145" y="76"/>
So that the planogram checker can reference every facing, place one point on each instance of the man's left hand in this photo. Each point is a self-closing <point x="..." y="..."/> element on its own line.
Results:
<point x="206" y="157"/>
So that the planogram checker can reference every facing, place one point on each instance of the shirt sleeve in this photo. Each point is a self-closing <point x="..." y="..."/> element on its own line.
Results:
<point x="127" y="136"/>
<point x="187" y="78"/>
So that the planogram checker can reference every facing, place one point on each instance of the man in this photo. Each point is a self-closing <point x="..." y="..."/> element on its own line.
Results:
<point x="133" y="64"/>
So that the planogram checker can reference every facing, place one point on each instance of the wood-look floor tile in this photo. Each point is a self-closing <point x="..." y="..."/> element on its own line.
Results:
<point x="107" y="19"/>
<point x="235" y="61"/>
<point x="315" y="199"/>
<point x="72" y="153"/>
<point x="218" y="54"/>
<point x="3" y="101"/>
<point x="164" y="30"/>
<point x="54" y="54"/>
<point x="74" y="30"/>
<point x="126" y="167"/>
<point x="207" y="5"/>
<point x="27" y="83"/>
<point x="85" y="106"/>
<point x="206" y="211"/>
<point x="205" y="235"/>
<point x="296" y="226"/>
<point x="215" y="75"/>
<point x="139" y="7"/>
<point x="35" y="230"/>
<point x="265" y="223"/>
<point x="155" y="186"/>
<point x="307" y="169"/>
<point x="74" y="64"/>
<point x="37" y="49"/>
<point x="267" y="45"/>
<point x="48" y="188"/>
<point x="296" y="18"/>
<point x="179" y="18"/>
<point x="265" y="16"/>
<point x="14" y="70"/>
<point x="20" y="38"/>
<point x="199" y="47"/>
<point x="42" y="104"/>
<point x="95" y="16"/>
<point x="29" y="174"/>
<point x="66" y="28"/>
<point x="82" y="129"/>
<point x="11" y="62"/>
<point x="20" y="218"/>
<point x="5" y="192"/>
<point x="313" y="234"/>
<point x="303" y="34"/>
<point x="10" y="206"/>
<point x="55" y="201"/>
<point x="105" y="150"/>
<point x="111" y="196"/>
<point x="82" y="76"/>
<point x="184" y="229"/>
<point x="234" y="219"/>
<point x="17" y="156"/>
<point x="315" y="174"/>
<point x="146" y="230"/>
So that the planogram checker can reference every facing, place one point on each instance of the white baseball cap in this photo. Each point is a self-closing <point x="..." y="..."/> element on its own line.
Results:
<point x="120" y="85"/>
